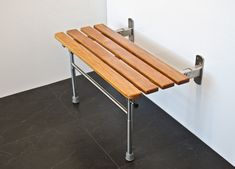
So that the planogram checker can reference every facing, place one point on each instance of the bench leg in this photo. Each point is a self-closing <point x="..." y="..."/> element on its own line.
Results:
<point x="75" y="98"/>
<point x="129" y="153"/>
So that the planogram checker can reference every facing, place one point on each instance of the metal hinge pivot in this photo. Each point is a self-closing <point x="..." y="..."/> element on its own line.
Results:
<point x="196" y="72"/>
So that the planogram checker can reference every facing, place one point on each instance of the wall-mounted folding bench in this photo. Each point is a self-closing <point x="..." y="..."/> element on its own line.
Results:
<point x="127" y="67"/>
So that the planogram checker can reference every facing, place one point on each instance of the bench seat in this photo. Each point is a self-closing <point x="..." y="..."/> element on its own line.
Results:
<point x="130" y="69"/>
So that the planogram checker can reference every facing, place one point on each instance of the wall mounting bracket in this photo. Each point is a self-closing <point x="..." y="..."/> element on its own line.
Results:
<point x="129" y="31"/>
<point x="196" y="72"/>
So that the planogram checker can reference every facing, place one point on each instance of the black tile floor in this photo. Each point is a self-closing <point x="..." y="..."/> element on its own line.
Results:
<point x="42" y="129"/>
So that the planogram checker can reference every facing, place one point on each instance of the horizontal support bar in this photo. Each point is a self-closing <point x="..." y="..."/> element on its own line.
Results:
<point x="115" y="101"/>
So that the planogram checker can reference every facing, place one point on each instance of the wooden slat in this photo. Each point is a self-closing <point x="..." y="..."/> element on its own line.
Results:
<point x="152" y="74"/>
<point x="106" y="72"/>
<point x="164" y="68"/>
<point x="121" y="67"/>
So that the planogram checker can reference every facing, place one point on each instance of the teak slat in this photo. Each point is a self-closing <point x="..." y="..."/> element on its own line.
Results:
<point x="164" y="68"/>
<point x="106" y="72"/>
<point x="121" y="67"/>
<point x="152" y="74"/>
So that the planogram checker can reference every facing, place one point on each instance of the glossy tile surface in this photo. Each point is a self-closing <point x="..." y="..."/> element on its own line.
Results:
<point x="41" y="128"/>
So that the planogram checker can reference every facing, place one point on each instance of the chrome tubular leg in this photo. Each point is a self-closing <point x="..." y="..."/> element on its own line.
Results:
<point x="129" y="153"/>
<point x="75" y="98"/>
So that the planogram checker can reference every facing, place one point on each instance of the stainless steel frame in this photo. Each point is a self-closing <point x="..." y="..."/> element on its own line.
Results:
<point x="115" y="101"/>
<point x="129" y="110"/>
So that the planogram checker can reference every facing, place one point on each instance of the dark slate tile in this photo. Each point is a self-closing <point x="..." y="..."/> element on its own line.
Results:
<point x="108" y="127"/>
<point x="67" y="146"/>
<point x="32" y="100"/>
<point x="189" y="154"/>
<point x="18" y="107"/>
<point x="34" y="113"/>
<point x="153" y="130"/>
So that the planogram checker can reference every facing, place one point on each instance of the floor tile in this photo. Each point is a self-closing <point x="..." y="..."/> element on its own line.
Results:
<point x="189" y="154"/>
<point x="51" y="116"/>
<point x="68" y="146"/>
<point x="41" y="128"/>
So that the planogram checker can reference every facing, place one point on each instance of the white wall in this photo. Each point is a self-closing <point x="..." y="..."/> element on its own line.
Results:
<point x="29" y="54"/>
<point x="177" y="31"/>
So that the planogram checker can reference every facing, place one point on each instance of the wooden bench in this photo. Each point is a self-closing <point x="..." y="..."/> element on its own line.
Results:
<point x="128" y="68"/>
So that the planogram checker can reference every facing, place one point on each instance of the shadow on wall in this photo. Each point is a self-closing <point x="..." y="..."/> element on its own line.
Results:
<point x="189" y="100"/>
<point x="163" y="53"/>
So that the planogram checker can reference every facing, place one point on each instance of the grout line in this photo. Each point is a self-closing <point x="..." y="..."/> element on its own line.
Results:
<point x="118" y="167"/>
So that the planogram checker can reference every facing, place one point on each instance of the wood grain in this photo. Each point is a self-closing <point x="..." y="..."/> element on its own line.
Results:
<point x="159" y="65"/>
<point x="136" y="63"/>
<point x="121" y="67"/>
<point x="121" y="84"/>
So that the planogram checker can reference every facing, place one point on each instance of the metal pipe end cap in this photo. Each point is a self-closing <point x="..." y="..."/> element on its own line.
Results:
<point x="129" y="157"/>
<point x="75" y="100"/>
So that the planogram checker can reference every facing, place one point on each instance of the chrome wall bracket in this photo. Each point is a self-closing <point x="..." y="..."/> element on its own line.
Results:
<point x="196" y="72"/>
<point x="129" y="31"/>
